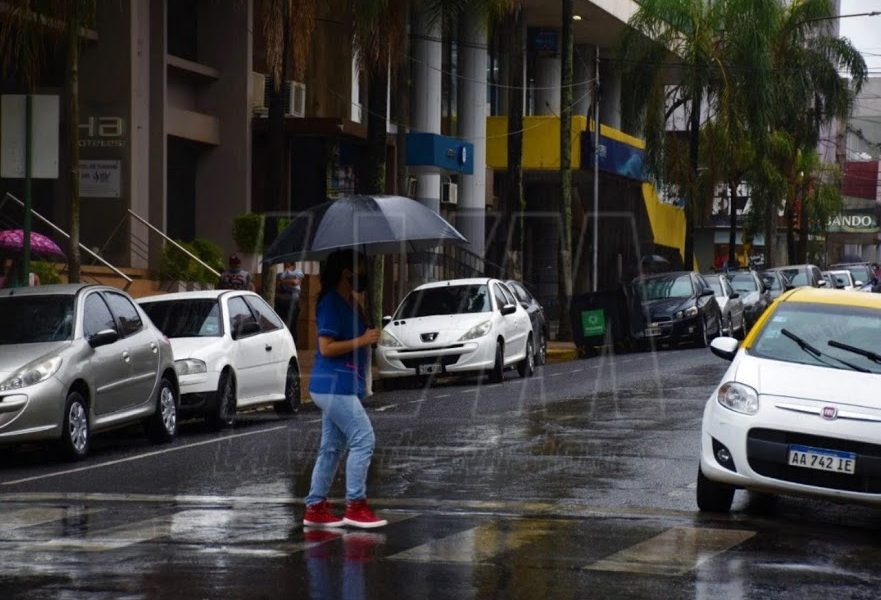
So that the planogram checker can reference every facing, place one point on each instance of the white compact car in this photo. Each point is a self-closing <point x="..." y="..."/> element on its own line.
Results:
<point x="459" y="326"/>
<point x="798" y="411"/>
<point x="231" y="351"/>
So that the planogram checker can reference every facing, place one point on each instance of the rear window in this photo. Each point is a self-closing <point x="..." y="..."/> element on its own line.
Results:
<point x="36" y="319"/>
<point x="744" y="283"/>
<point x="447" y="300"/>
<point x="186" y="318"/>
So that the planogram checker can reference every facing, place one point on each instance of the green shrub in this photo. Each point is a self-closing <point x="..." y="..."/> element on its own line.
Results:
<point x="247" y="233"/>
<point x="46" y="271"/>
<point x="175" y="265"/>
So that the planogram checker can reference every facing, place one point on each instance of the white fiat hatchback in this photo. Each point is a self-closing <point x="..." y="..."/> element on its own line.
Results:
<point x="799" y="409"/>
<point x="231" y="351"/>
<point x="458" y="326"/>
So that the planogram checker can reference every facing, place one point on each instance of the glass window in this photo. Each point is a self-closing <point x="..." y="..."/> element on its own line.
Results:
<point x="129" y="319"/>
<point x="715" y="285"/>
<point x="729" y="291"/>
<point x="860" y="273"/>
<point x="744" y="283"/>
<point x="521" y="292"/>
<point x="36" y="319"/>
<point x="267" y="318"/>
<point x="509" y="297"/>
<point x="499" y="297"/>
<point x="772" y="281"/>
<point x="796" y="277"/>
<point x="446" y="300"/>
<point x="186" y="318"/>
<point x="239" y="316"/>
<point x="670" y="286"/>
<point x="817" y="325"/>
<point x="96" y="316"/>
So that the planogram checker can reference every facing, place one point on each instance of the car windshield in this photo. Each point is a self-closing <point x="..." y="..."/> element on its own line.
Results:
<point x="860" y="273"/>
<point x="36" y="319"/>
<point x="715" y="285"/>
<point x="744" y="283"/>
<point x="773" y="282"/>
<point x="447" y="300"/>
<point x="186" y="318"/>
<point x="817" y="325"/>
<point x="658" y="288"/>
<point x="796" y="277"/>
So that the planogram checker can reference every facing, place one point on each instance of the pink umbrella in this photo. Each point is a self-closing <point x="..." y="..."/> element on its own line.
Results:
<point x="12" y="240"/>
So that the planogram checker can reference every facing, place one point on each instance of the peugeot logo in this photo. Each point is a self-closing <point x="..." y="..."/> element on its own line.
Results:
<point x="830" y="413"/>
<point x="429" y="337"/>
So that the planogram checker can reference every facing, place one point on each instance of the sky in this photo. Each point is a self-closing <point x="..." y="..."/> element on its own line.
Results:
<point x="864" y="32"/>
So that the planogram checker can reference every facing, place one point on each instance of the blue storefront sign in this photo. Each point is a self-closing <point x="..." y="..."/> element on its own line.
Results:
<point x="433" y="152"/>
<point x="616" y="157"/>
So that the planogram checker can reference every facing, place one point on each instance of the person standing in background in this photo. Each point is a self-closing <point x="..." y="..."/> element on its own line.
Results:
<point x="287" y="296"/>
<point x="235" y="277"/>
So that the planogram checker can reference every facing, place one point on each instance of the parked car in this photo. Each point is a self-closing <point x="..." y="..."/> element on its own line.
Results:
<point x="79" y="359"/>
<point x="829" y="279"/>
<point x="536" y="316"/>
<point x="231" y="352"/>
<point x="776" y="282"/>
<point x="797" y="411"/>
<point x="733" y="320"/>
<point x="802" y="275"/>
<point x="458" y="326"/>
<point x="678" y="307"/>
<point x="841" y="280"/>
<point x="860" y="272"/>
<point x="753" y="293"/>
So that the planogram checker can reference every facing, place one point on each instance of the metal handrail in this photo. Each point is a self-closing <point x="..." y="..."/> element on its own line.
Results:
<point x="173" y="243"/>
<point x="86" y="249"/>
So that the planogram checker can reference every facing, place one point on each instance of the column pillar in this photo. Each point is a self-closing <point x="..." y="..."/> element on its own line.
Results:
<point x="582" y="94"/>
<point x="471" y="212"/>
<point x="547" y="75"/>
<point x="426" y="98"/>
<point x="610" y="95"/>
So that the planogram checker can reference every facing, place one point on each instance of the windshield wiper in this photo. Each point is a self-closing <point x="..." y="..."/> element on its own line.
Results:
<point x="873" y="356"/>
<point x="819" y="355"/>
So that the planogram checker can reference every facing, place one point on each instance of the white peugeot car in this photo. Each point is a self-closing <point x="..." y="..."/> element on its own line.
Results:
<point x="798" y="410"/>
<point x="459" y="326"/>
<point x="231" y="351"/>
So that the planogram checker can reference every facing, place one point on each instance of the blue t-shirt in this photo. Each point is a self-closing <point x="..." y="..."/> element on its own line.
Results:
<point x="346" y="374"/>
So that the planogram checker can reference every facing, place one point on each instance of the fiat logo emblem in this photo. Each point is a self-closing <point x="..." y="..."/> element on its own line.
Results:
<point x="829" y="413"/>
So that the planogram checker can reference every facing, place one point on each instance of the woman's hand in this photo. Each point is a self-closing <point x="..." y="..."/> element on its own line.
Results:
<point x="370" y="337"/>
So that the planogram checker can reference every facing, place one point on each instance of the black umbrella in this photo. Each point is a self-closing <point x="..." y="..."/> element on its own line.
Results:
<point x="373" y="224"/>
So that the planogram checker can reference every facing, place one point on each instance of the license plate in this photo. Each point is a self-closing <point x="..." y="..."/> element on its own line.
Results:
<point x="433" y="369"/>
<point x="653" y="331"/>
<point x="822" y="460"/>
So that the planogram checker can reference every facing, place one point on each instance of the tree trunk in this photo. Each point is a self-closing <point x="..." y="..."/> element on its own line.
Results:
<point x="564" y="331"/>
<point x="516" y="196"/>
<point x="73" y="120"/>
<point x="691" y="202"/>
<point x="377" y="107"/>
<point x="803" y="228"/>
<point x="732" y="232"/>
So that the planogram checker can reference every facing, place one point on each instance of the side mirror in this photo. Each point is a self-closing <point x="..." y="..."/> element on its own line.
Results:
<point x="788" y="287"/>
<point x="508" y="309"/>
<point x="858" y="283"/>
<point x="386" y="320"/>
<point x="708" y="292"/>
<point x="821" y="283"/>
<point x="105" y="337"/>
<point x="734" y="296"/>
<point x="725" y="347"/>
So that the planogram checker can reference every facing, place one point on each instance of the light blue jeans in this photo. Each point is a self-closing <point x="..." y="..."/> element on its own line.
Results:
<point x="344" y="424"/>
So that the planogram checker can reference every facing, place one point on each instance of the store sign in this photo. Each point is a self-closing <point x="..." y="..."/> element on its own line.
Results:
<point x="102" y="132"/>
<point x="853" y="223"/>
<point x="100" y="178"/>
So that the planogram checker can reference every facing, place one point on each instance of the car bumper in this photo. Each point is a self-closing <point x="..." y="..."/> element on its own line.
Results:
<point x="199" y="384"/>
<point x="478" y="355"/>
<point x="759" y="449"/>
<point x="34" y="413"/>
<point x="670" y="331"/>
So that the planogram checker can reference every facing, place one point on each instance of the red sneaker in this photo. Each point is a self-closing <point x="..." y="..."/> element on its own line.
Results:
<point x="319" y="515"/>
<point x="358" y="514"/>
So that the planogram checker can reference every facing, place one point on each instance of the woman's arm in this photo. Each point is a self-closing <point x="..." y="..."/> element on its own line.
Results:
<point x="330" y="347"/>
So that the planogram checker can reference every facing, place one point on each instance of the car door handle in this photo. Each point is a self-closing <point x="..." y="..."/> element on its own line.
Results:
<point x="268" y="348"/>
<point x="126" y="357"/>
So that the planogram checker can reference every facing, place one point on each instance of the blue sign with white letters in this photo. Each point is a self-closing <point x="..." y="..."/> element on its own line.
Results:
<point x="441" y="153"/>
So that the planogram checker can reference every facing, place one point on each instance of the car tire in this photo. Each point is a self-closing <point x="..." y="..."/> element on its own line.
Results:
<point x="291" y="403"/>
<point x="527" y="366"/>
<point x="223" y="414"/>
<point x="75" y="433"/>
<point x="729" y="327"/>
<point x="702" y="338"/>
<point x="541" y="355"/>
<point x="713" y="496"/>
<point x="161" y="426"/>
<point x="498" y="371"/>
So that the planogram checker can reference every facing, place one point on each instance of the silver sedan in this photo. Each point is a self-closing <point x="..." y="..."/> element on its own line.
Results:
<point x="78" y="359"/>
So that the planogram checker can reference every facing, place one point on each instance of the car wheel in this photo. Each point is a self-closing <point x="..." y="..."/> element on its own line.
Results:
<point x="541" y="355"/>
<point x="527" y="366"/>
<point x="291" y="403"/>
<point x="75" y="440"/>
<point x="224" y="412"/>
<point x="713" y="496"/>
<point x="498" y="371"/>
<point x="729" y="327"/>
<point x="161" y="426"/>
<point x="702" y="338"/>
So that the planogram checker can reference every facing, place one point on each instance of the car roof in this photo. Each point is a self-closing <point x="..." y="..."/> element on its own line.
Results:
<point x="659" y="275"/>
<point x="55" y="289"/>
<point x="451" y="282"/>
<point x="197" y="295"/>
<point x="784" y="267"/>
<point x="809" y="295"/>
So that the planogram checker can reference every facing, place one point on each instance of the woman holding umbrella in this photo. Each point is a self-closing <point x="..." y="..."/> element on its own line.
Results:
<point x="337" y="388"/>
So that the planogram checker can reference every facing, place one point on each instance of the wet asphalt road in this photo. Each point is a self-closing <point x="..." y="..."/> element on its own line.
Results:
<point x="578" y="483"/>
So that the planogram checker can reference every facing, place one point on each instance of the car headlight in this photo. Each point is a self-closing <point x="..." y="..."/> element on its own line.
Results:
<point x="739" y="398"/>
<point x="38" y="371"/>
<point x="387" y="340"/>
<point x="190" y="366"/>
<point x="689" y="312"/>
<point x="477" y="331"/>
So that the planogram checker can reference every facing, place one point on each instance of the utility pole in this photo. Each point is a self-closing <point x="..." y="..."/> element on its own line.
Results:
<point x="24" y="275"/>
<point x="596" y="171"/>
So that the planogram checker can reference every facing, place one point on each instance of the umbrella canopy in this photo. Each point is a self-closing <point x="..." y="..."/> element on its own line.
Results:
<point x="12" y="240"/>
<point x="373" y="224"/>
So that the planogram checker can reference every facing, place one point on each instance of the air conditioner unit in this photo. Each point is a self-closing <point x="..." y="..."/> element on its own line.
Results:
<point x="449" y="193"/>
<point x="294" y="96"/>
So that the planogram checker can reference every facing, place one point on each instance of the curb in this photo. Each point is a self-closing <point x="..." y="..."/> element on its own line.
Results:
<point x="562" y="355"/>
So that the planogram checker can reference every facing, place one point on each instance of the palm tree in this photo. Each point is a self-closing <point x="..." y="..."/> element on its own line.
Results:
<point x="25" y="29"/>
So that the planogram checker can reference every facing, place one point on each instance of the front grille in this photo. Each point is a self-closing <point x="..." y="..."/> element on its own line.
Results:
<point x="768" y="455"/>
<point x="452" y="347"/>
<point x="447" y="360"/>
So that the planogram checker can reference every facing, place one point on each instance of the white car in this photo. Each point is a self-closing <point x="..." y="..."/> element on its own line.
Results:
<point x="798" y="410"/>
<point x="231" y="351"/>
<point x="844" y="280"/>
<point x="458" y="326"/>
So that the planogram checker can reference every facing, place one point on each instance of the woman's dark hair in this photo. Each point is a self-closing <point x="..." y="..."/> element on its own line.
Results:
<point x="334" y="265"/>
